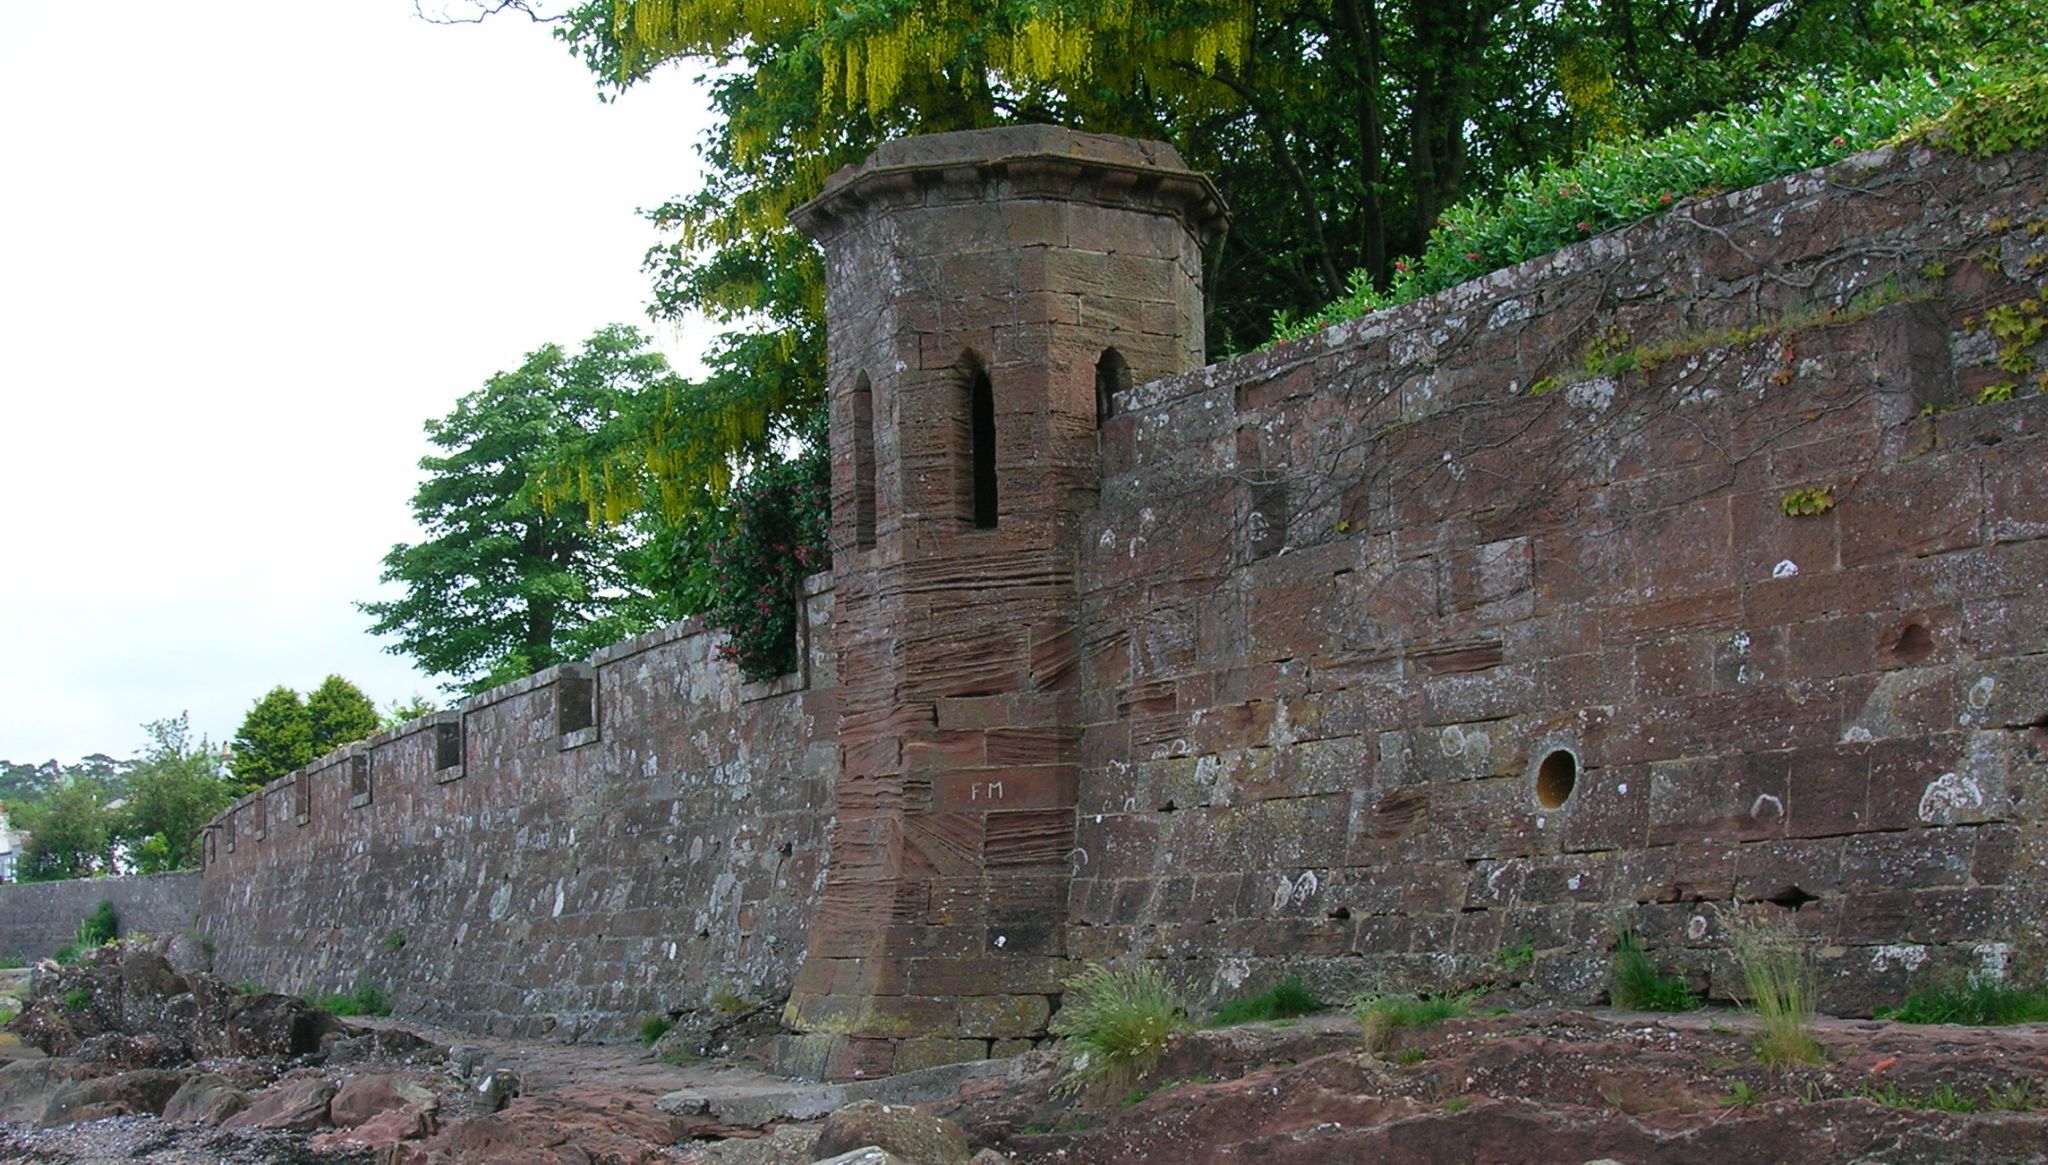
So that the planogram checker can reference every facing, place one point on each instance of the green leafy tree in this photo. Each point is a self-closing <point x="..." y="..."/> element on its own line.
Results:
<point x="1339" y="130"/>
<point x="70" y="833"/>
<point x="511" y="579"/>
<point x="275" y="738"/>
<point x="174" y="787"/>
<point x="340" y="713"/>
<point x="406" y="711"/>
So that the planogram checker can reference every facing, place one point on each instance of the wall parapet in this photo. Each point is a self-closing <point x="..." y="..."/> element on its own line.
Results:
<point x="630" y="822"/>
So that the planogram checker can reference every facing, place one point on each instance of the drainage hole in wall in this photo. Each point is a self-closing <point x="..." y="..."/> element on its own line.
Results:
<point x="1914" y="643"/>
<point x="1341" y="913"/>
<point x="1790" y="897"/>
<point x="1556" y="777"/>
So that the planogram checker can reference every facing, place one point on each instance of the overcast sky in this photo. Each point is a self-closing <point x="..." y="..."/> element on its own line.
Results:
<point x="246" y="249"/>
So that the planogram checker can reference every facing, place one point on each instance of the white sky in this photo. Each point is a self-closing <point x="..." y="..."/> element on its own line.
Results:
<point x="246" y="249"/>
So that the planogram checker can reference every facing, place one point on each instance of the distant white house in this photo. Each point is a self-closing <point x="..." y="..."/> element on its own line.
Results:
<point x="10" y="847"/>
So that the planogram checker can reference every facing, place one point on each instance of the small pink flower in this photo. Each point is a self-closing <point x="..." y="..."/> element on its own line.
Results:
<point x="1664" y="198"/>
<point x="1401" y="265"/>
<point x="1838" y="140"/>
<point x="1585" y="226"/>
<point x="1472" y="256"/>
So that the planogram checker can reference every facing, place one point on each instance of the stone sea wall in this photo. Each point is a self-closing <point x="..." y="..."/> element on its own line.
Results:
<point x="1679" y="568"/>
<point x="560" y="856"/>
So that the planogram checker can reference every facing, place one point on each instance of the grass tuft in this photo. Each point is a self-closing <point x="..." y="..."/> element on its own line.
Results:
<point x="1287" y="999"/>
<point x="1780" y="980"/>
<point x="1974" y="1000"/>
<point x="1635" y="984"/>
<point x="653" y="1028"/>
<point x="364" y="1000"/>
<point x="1383" y="1015"/>
<point x="1113" y="1024"/>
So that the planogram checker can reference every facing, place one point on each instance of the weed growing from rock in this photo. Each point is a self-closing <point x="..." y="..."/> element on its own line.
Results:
<point x="653" y="1028"/>
<point x="1635" y="984"/>
<point x="1287" y="999"/>
<point x="1383" y="1015"/>
<point x="1972" y="1000"/>
<point x="1114" y="1024"/>
<point x="364" y="1000"/>
<point x="1778" y="975"/>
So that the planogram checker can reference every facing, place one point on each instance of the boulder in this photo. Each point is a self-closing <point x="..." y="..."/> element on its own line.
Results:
<point x="297" y="1106"/>
<point x="363" y="1098"/>
<point x="899" y="1128"/>
<point x="121" y="1052"/>
<point x="121" y="1094"/>
<point x="783" y="1145"/>
<point x="869" y="1155"/>
<point x="26" y="1086"/>
<point x="381" y="1131"/>
<point x="570" y="1126"/>
<point x="205" y="1100"/>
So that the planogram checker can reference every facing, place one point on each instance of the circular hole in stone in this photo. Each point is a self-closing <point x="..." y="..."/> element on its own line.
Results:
<point x="1914" y="644"/>
<point x="1556" y="777"/>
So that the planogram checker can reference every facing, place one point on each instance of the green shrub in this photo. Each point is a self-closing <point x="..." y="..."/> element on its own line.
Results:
<point x="1287" y="999"/>
<point x="77" y="999"/>
<point x="65" y="955"/>
<point x="98" y="927"/>
<point x="1779" y="977"/>
<point x="12" y="963"/>
<point x="1618" y="183"/>
<point x="1972" y="1000"/>
<point x="1635" y="984"/>
<point x="1114" y="1024"/>
<point x="1383" y="1015"/>
<point x="364" y="1000"/>
<point x="653" y="1028"/>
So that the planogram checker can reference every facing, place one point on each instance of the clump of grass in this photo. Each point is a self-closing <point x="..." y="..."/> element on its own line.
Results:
<point x="1113" y="1025"/>
<point x="653" y="1028"/>
<point x="12" y="963"/>
<point x="1635" y="984"/>
<point x="1287" y="999"/>
<point x="729" y="1003"/>
<point x="364" y="1000"/>
<point x="97" y="929"/>
<point x="1972" y="1000"/>
<point x="1383" y="1015"/>
<point x="1944" y="1098"/>
<point x="1779" y="978"/>
<point x="65" y="955"/>
<point x="77" y="999"/>
<point x="680" y="1055"/>
<point x="1740" y="1095"/>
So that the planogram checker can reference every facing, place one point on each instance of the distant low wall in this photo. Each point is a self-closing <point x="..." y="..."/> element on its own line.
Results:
<point x="561" y="856"/>
<point x="38" y="917"/>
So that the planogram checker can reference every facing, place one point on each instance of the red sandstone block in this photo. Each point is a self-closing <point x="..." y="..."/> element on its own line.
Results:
<point x="1722" y="799"/>
<point x="1609" y="810"/>
<point x="1827" y="792"/>
<point x="1030" y="746"/>
<point x="1843" y="645"/>
<point x="1916" y="508"/>
<point x="1654" y="618"/>
<point x="1035" y="839"/>
<point x="945" y="845"/>
<point x="1013" y="787"/>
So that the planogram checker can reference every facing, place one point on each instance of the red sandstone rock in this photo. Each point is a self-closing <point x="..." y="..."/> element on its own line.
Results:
<point x="295" y="1105"/>
<point x="901" y="1129"/>
<point x="207" y="1100"/>
<point x="568" y="1127"/>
